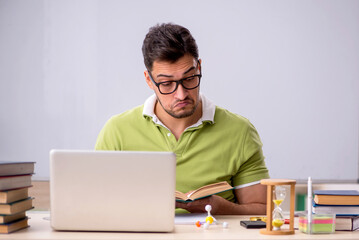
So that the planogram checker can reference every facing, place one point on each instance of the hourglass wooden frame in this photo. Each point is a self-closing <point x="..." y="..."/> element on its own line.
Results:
<point x="271" y="183"/>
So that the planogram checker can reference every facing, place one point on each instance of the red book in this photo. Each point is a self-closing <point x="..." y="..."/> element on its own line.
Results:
<point x="11" y="182"/>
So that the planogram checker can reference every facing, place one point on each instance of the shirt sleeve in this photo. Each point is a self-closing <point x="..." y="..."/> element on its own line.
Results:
<point x="108" y="138"/>
<point x="252" y="167"/>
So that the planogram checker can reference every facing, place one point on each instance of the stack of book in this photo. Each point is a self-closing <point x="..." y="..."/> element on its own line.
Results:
<point x="15" y="180"/>
<point x="343" y="203"/>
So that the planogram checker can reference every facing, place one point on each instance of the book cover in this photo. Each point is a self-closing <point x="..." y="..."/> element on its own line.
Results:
<point x="347" y="223"/>
<point x="16" y="207"/>
<point x="13" y="226"/>
<point x="16" y="168"/>
<point x="12" y="182"/>
<point x="337" y="192"/>
<point x="336" y="197"/>
<point x="203" y="192"/>
<point x="10" y="196"/>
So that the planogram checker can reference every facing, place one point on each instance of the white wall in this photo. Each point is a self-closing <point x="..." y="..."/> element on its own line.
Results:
<point x="291" y="67"/>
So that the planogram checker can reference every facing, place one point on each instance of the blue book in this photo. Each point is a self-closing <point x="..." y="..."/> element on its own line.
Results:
<point x="336" y="197"/>
<point x="339" y="210"/>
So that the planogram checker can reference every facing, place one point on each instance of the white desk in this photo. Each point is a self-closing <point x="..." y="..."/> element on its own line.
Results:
<point x="40" y="229"/>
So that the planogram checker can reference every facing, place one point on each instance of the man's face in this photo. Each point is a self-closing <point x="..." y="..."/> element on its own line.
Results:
<point x="183" y="102"/>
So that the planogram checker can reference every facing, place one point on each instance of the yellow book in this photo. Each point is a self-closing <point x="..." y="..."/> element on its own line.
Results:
<point x="13" y="226"/>
<point x="12" y="218"/>
<point x="13" y="195"/>
<point x="16" y="207"/>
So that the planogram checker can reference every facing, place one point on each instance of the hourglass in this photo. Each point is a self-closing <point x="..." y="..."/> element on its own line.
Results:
<point x="278" y="197"/>
<point x="275" y="195"/>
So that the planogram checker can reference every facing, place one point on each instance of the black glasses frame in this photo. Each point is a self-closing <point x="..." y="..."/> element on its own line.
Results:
<point x="178" y="81"/>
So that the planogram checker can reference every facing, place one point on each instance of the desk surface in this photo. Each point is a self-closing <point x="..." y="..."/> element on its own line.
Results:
<point x="40" y="229"/>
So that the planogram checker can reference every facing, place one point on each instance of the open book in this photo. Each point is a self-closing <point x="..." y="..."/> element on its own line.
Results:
<point x="203" y="192"/>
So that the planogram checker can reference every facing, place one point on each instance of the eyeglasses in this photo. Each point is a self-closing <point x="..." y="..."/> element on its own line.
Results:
<point x="189" y="83"/>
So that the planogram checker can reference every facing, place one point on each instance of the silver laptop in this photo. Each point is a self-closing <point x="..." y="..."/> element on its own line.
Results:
<point x="112" y="190"/>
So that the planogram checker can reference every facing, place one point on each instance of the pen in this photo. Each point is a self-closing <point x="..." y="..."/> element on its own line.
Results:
<point x="309" y="204"/>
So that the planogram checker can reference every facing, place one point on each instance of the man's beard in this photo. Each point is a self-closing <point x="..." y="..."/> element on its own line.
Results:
<point x="183" y="114"/>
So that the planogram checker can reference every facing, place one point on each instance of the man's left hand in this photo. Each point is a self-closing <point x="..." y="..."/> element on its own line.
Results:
<point x="198" y="206"/>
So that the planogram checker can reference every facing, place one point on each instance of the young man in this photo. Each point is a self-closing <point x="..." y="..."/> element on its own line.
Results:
<point x="211" y="144"/>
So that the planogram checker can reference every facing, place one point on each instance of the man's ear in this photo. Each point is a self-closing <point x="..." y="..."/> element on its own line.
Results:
<point x="148" y="80"/>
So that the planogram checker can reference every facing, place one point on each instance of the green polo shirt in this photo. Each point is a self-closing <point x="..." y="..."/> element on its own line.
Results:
<point x="222" y="146"/>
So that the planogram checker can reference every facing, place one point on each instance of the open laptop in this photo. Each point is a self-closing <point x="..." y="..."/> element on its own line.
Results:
<point x="112" y="190"/>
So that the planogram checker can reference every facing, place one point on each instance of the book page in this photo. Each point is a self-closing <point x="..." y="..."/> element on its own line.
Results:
<point x="209" y="190"/>
<point x="180" y="195"/>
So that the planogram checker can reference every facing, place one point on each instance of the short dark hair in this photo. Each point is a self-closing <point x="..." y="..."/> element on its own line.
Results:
<point x="167" y="42"/>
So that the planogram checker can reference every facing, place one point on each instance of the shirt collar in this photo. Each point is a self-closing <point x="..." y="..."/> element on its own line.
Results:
<point x="208" y="109"/>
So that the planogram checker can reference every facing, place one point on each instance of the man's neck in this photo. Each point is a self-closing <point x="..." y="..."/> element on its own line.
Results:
<point x="177" y="125"/>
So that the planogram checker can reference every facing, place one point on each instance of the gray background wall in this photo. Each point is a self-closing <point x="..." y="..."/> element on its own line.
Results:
<point x="291" y="67"/>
